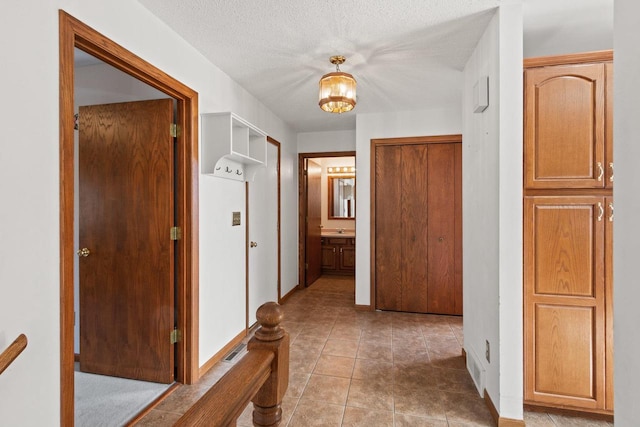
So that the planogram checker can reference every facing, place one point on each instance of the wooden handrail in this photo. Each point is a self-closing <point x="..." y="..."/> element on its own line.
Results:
<point x="13" y="351"/>
<point x="262" y="376"/>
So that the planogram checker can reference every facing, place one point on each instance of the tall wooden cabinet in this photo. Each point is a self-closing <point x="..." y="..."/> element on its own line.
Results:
<point x="568" y="221"/>
<point x="417" y="225"/>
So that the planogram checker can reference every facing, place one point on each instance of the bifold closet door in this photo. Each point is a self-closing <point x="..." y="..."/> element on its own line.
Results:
<point x="418" y="228"/>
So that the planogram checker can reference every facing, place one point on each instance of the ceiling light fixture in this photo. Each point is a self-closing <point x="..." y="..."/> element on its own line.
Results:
<point x="338" y="89"/>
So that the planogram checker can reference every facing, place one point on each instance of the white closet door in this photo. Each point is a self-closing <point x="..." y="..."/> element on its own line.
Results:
<point x="263" y="231"/>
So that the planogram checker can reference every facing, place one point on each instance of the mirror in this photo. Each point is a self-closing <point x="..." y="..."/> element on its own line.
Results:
<point x="342" y="197"/>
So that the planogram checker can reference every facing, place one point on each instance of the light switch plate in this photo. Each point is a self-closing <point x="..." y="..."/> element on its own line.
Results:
<point x="236" y="219"/>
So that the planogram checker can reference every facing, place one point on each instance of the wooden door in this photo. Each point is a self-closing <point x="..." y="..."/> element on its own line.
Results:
<point x="565" y="301"/>
<point x="388" y="227"/>
<point x="126" y="211"/>
<point x="444" y="229"/>
<point x="418" y="228"/>
<point x="313" y="238"/>
<point x="262" y="235"/>
<point x="414" y="212"/>
<point x="565" y="126"/>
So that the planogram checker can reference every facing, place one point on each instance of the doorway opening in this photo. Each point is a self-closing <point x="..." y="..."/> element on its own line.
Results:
<point x="74" y="34"/>
<point x="327" y="210"/>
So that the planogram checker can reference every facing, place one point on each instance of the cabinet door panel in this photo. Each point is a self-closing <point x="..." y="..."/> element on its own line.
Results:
<point x="564" y="250"/>
<point x="328" y="257"/>
<point x="388" y="247"/>
<point x="564" y="343"/>
<point x="608" y="142"/>
<point x="348" y="258"/>
<point x="564" y="127"/>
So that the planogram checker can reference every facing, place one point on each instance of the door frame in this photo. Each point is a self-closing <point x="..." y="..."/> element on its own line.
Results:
<point x="302" y="206"/>
<point x="73" y="33"/>
<point x="413" y="140"/>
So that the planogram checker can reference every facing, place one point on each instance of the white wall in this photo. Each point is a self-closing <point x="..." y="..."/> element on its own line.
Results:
<point x="29" y="184"/>
<point x="492" y="211"/>
<point x="444" y="121"/>
<point x="320" y="142"/>
<point x="626" y="240"/>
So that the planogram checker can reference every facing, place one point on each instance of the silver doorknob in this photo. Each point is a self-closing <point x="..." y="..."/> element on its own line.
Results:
<point x="84" y="252"/>
<point x="253" y="244"/>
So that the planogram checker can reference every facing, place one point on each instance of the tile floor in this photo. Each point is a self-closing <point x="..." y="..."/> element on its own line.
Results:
<point x="362" y="368"/>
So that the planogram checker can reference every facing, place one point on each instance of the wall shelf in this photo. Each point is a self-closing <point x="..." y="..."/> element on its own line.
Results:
<point x="232" y="148"/>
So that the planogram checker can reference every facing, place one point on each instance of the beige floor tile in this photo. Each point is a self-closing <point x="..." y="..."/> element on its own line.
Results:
<point x="416" y="401"/>
<point x="336" y="366"/>
<point x="327" y="389"/>
<point x="361" y="417"/>
<point x="369" y="350"/>
<point x="339" y="347"/>
<point x="463" y="408"/>
<point x="371" y="393"/>
<point x="310" y="413"/>
<point x="403" y="420"/>
<point x="575" y="421"/>
<point x="373" y="369"/>
<point x="538" y="419"/>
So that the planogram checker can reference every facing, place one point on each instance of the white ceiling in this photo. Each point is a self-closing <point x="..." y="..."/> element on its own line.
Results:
<point x="405" y="54"/>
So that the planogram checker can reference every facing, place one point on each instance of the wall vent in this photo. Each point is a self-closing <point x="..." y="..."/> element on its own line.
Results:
<point x="476" y="370"/>
<point x="234" y="352"/>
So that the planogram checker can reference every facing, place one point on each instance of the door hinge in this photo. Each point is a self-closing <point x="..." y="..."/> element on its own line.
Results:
<point x="176" y="233"/>
<point x="174" y="130"/>
<point x="176" y="336"/>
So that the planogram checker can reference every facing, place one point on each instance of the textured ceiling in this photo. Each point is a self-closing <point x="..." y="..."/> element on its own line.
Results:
<point x="405" y="54"/>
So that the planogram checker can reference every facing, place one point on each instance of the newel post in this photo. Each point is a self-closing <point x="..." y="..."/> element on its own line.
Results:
<point x="270" y="336"/>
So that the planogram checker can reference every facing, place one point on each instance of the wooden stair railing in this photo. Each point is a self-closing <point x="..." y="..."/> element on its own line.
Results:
<point x="262" y="376"/>
<point x="13" y="351"/>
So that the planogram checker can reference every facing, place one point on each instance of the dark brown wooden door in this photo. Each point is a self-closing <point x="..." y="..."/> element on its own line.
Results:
<point x="564" y="284"/>
<point x="418" y="232"/>
<point x="565" y="127"/>
<point x="125" y="215"/>
<point x="313" y="238"/>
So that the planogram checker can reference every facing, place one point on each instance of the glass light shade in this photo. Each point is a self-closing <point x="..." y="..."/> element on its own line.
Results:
<point x="337" y="92"/>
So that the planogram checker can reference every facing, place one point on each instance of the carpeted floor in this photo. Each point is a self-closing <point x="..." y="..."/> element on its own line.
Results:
<point x="102" y="401"/>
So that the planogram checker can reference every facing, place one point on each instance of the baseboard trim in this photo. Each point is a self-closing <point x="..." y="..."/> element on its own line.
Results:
<point x="76" y="357"/>
<point x="500" y="421"/>
<point x="153" y="404"/>
<point x="219" y="355"/>
<point x="596" y="414"/>
<point x="288" y="295"/>
<point x="363" y="307"/>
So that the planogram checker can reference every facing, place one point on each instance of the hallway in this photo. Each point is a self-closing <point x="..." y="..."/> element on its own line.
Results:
<point x="364" y="368"/>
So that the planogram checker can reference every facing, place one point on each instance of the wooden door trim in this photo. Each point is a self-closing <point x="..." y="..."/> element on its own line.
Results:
<point x="72" y="34"/>
<point x="302" y="208"/>
<point x="278" y="147"/>
<point x="574" y="58"/>
<point x="413" y="140"/>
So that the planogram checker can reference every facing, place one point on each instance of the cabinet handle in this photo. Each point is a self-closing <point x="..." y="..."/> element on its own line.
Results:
<point x="600" y="211"/>
<point x="334" y="250"/>
<point x="611" y="210"/>
<point x="340" y="250"/>
<point x="600" y="171"/>
<point x="611" y="176"/>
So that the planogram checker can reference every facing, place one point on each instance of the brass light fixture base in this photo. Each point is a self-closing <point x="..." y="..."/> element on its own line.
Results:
<point x="337" y="59"/>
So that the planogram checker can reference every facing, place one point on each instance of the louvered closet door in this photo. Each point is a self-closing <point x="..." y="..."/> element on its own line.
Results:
<point x="565" y="300"/>
<point x="418" y="229"/>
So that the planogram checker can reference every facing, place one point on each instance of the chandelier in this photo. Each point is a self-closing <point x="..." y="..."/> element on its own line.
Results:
<point x="337" y="89"/>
